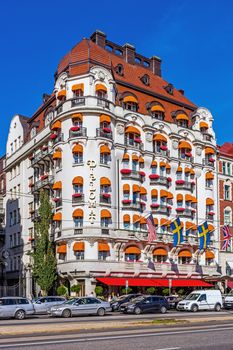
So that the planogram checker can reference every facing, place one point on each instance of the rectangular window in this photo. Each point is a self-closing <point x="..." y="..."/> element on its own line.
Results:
<point x="15" y="239"/>
<point x="224" y="167"/>
<point x="226" y="192"/>
<point x="229" y="168"/>
<point x="14" y="217"/>
<point x="11" y="218"/>
<point x="18" y="216"/>
<point x="11" y="241"/>
<point x="18" y="238"/>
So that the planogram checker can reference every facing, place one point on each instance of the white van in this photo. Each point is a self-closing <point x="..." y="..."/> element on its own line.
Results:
<point x="202" y="300"/>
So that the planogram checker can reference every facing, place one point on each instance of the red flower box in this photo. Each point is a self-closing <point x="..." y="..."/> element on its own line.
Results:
<point x="180" y="182"/>
<point x="163" y="148"/>
<point x="154" y="205"/>
<point x="193" y="183"/>
<point x="179" y="209"/>
<point x="30" y="239"/>
<point x="193" y="210"/>
<point x="106" y="195"/>
<point x="211" y="213"/>
<point x="56" y="200"/>
<point x="212" y="160"/>
<point x="137" y="140"/>
<point x="142" y="203"/>
<point x="126" y="201"/>
<point x="31" y="157"/>
<point x="126" y="171"/>
<point x="31" y="184"/>
<point x="76" y="195"/>
<point x="142" y="173"/>
<point x="188" y="154"/>
<point x="43" y="177"/>
<point x="75" y="128"/>
<point x="169" y="207"/>
<point x="154" y="176"/>
<point x="169" y="179"/>
<point x="53" y="136"/>
<point x="106" y="129"/>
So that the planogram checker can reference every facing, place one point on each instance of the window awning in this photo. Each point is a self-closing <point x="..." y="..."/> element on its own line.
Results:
<point x="142" y="221"/>
<point x="170" y="195"/>
<point x="184" y="144"/>
<point x="154" y="163"/>
<point x="103" y="247"/>
<point x="154" y="192"/>
<point x="209" y="255"/>
<point x="126" y="218"/>
<point x="101" y="87"/>
<point x="179" y="197"/>
<point x="160" y="251"/>
<point x="61" y="249"/>
<point x="159" y="137"/>
<point x="168" y="166"/>
<point x="132" y="250"/>
<point x="126" y="188"/>
<point x="56" y="125"/>
<point x="188" y="198"/>
<point x="77" y="116"/>
<point x="132" y="130"/>
<point x="79" y="246"/>
<point x="141" y="160"/>
<point x="163" y="193"/>
<point x="179" y="169"/>
<point x="57" y="217"/>
<point x="57" y="155"/>
<point x="134" y="157"/>
<point x="209" y="150"/>
<point x="156" y="221"/>
<point x="105" y="118"/>
<point x="136" y="218"/>
<point x="130" y="99"/>
<point x="125" y="156"/>
<point x="153" y="282"/>
<point x="192" y="172"/>
<point x="157" y="108"/>
<point x="182" y="116"/>
<point x="143" y="190"/>
<point x="136" y="188"/>
<point x="61" y="94"/>
<point x="105" y="149"/>
<point x="209" y="176"/>
<point x="57" y="185"/>
<point x="162" y="164"/>
<point x="164" y="222"/>
<point x="105" y="214"/>
<point x="187" y="170"/>
<point x="194" y="200"/>
<point x="190" y="226"/>
<point x="77" y="180"/>
<point x="185" y="253"/>
<point x="78" y="213"/>
<point x="77" y="149"/>
<point x="76" y="87"/>
<point x="204" y="125"/>
<point x="105" y="181"/>
<point x="209" y="201"/>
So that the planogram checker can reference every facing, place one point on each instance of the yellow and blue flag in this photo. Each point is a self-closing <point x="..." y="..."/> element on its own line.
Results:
<point x="177" y="230"/>
<point x="204" y="235"/>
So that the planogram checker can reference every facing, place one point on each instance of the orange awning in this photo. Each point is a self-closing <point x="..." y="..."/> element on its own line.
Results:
<point x="56" y="125"/>
<point x="77" y="116"/>
<point x="209" y="201"/>
<point x="192" y="172"/>
<point x="134" y="157"/>
<point x="105" y="181"/>
<point x="209" y="150"/>
<point x="162" y="164"/>
<point x="61" y="94"/>
<point x="103" y="247"/>
<point x="101" y="87"/>
<point x="136" y="218"/>
<point x="105" y="214"/>
<point x="194" y="199"/>
<point x="105" y="149"/>
<point x="57" y="185"/>
<point x="164" y="222"/>
<point x="182" y="116"/>
<point x="184" y="144"/>
<point x="132" y="130"/>
<point x="77" y="180"/>
<point x="209" y="255"/>
<point x="211" y="227"/>
<point x="76" y="87"/>
<point x="61" y="249"/>
<point x="204" y="125"/>
<point x="142" y="221"/>
<point x="168" y="166"/>
<point x="188" y="198"/>
<point x="125" y="156"/>
<point x="154" y="163"/>
<point x="209" y="176"/>
<point x="187" y="170"/>
<point x="179" y="169"/>
<point x="105" y="118"/>
<point x="126" y="188"/>
<point x="77" y="213"/>
<point x="163" y="193"/>
<point x="57" y="217"/>
<point x="159" y="137"/>
<point x="169" y="195"/>
<point x="79" y="246"/>
<point x="156" y="221"/>
<point x="132" y="250"/>
<point x="141" y="160"/>
<point x="136" y="188"/>
<point x="126" y="218"/>
<point x="143" y="190"/>
<point x="130" y="99"/>
<point x="160" y="251"/>
<point x="77" y="149"/>
<point x="185" y="253"/>
<point x="179" y="197"/>
<point x="154" y="193"/>
<point x="157" y="108"/>
<point x="190" y="225"/>
<point x="57" y="155"/>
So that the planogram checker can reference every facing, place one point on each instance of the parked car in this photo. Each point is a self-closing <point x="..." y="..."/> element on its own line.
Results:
<point x="228" y="300"/>
<point x="146" y="304"/>
<point x="173" y="300"/>
<point x="81" y="306"/>
<point x="115" y="304"/>
<point x="43" y="304"/>
<point x="202" y="300"/>
<point x="16" y="307"/>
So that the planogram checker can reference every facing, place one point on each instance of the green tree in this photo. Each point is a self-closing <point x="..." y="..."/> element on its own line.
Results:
<point x="99" y="290"/>
<point x="44" y="260"/>
<point x="62" y="290"/>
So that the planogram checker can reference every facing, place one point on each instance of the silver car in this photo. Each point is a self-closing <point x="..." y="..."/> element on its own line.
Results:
<point x="16" y="307"/>
<point x="43" y="304"/>
<point x="81" y="306"/>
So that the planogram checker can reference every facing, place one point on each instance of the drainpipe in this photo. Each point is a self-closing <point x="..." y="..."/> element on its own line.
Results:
<point x="118" y="196"/>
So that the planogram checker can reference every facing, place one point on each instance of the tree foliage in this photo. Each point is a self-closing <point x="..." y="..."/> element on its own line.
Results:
<point x="62" y="290"/>
<point x="99" y="290"/>
<point x="44" y="260"/>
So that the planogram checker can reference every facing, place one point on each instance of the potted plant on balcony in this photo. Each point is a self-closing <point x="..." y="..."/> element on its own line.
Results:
<point x="188" y="154"/>
<point x="137" y="140"/>
<point x="76" y="195"/>
<point x="53" y="136"/>
<point x="180" y="209"/>
<point x="211" y="160"/>
<point x="154" y="176"/>
<point x="163" y="148"/>
<point x="211" y="213"/>
<point x="44" y="176"/>
<point x="107" y="129"/>
<point x="154" y="205"/>
<point x="169" y="179"/>
<point x="75" y="128"/>
<point x="142" y="173"/>
<point x="106" y="195"/>
<point x="56" y="199"/>
<point x="126" y="201"/>
<point x="125" y="171"/>
<point x="180" y="182"/>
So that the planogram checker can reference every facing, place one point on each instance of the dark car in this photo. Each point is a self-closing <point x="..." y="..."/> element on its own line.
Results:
<point x="146" y="304"/>
<point x="116" y="304"/>
<point x="173" y="301"/>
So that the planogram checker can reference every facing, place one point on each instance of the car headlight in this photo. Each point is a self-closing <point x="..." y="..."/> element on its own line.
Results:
<point x="187" y="303"/>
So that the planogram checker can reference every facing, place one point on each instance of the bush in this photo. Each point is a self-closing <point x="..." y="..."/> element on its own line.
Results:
<point x="181" y="292"/>
<point x="99" y="290"/>
<point x="62" y="290"/>
<point x="126" y="290"/>
<point x="150" y="290"/>
<point x="75" y="288"/>
<point x="165" y="291"/>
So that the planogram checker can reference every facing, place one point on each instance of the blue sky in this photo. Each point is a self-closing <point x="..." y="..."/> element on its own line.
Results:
<point x="193" y="38"/>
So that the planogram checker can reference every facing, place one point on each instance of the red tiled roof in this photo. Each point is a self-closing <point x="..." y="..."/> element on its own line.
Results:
<point x="226" y="149"/>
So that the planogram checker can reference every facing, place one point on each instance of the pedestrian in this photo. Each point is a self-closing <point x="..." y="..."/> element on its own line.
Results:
<point x="39" y="294"/>
<point x="91" y="294"/>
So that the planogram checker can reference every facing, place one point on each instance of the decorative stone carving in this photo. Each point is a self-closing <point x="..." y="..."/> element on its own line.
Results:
<point x="120" y="129"/>
<point x="101" y="75"/>
<point x="149" y="136"/>
<point x="161" y="126"/>
<point x="198" y="151"/>
<point x="174" y="144"/>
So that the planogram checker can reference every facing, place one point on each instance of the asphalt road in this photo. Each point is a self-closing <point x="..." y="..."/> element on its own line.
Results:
<point x="203" y="337"/>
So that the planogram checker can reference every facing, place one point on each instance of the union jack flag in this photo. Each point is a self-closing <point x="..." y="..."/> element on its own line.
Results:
<point x="151" y="228"/>
<point x="226" y="238"/>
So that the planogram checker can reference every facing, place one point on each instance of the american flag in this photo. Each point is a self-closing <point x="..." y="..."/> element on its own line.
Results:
<point x="226" y="238"/>
<point x="151" y="228"/>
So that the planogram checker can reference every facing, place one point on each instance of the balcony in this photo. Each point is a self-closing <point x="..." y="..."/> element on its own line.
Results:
<point x="206" y="137"/>
<point x="158" y="180"/>
<point x="105" y="231"/>
<point x="131" y="174"/>
<point x="184" y="185"/>
<point x="78" y="101"/>
<point x="103" y="133"/>
<point x="210" y="216"/>
<point x="185" y="212"/>
<point x="105" y="198"/>
<point x="48" y="181"/>
<point x="40" y="156"/>
<point x="134" y="144"/>
<point x="35" y="215"/>
<point x="101" y="102"/>
<point x="159" y="209"/>
<point x="82" y="132"/>
<point x="57" y="202"/>
<point x="59" y="138"/>
<point x="78" y="198"/>
<point x="208" y="162"/>
<point x="78" y="231"/>
<point x="162" y="153"/>
<point x="129" y="205"/>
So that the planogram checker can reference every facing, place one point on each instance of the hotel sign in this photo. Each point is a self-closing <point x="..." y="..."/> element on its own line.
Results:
<point x="92" y="191"/>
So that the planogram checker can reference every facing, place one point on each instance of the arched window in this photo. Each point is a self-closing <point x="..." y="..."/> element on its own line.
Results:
<point x="160" y="255"/>
<point x="227" y="216"/>
<point x="103" y="251"/>
<point x="185" y="150"/>
<point x="157" y="111"/>
<point x="78" y="218"/>
<point x="184" y="256"/>
<point x="78" y="90"/>
<point x="130" y="103"/>
<point x="105" y="153"/>
<point x="132" y="253"/>
<point x="132" y="137"/>
<point x="160" y="144"/>
<point x="105" y="217"/>
<point x="78" y="154"/>
<point x="79" y="248"/>
<point x="101" y="94"/>
<point x="182" y="119"/>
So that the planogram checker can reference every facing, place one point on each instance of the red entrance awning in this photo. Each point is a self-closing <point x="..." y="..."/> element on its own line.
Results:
<point x="230" y="284"/>
<point x="153" y="282"/>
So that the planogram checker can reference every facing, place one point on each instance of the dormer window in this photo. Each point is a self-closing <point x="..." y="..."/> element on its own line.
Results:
<point x="48" y="117"/>
<point x="145" y="79"/>
<point x="78" y="90"/>
<point x="130" y="103"/>
<point x="33" y="132"/>
<point x="157" y="112"/>
<point x="182" y="119"/>
<point x="169" y="88"/>
<point x="101" y="91"/>
<point x="119" y="69"/>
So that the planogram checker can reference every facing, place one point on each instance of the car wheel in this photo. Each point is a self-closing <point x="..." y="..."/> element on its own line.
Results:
<point x="163" y="309"/>
<point x="194" y="308"/>
<point x="101" y="312"/>
<point x="217" y="307"/>
<point x="66" y="313"/>
<point x="137" y="311"/>
<point x="20" y="315"/>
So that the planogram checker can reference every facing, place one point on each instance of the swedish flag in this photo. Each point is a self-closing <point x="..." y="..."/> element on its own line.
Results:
<point x="204" y="235"/>
<point x="177" y="231"/>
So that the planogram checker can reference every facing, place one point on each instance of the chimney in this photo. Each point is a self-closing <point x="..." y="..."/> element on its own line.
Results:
<point x="99" y="38"/>
<point x="181" y="91"/>
<point x="156" y="65"/>
<point x="129" y="51"/>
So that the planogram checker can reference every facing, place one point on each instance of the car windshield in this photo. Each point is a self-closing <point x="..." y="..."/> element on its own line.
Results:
<point x="135" y="300"/>
<point x="192" y="296"/>
<point x="71" y="301"/>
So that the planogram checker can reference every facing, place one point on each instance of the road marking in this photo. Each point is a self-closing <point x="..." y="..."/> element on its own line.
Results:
<point x="90" y="339"/>
<point x="168" y="349"/>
